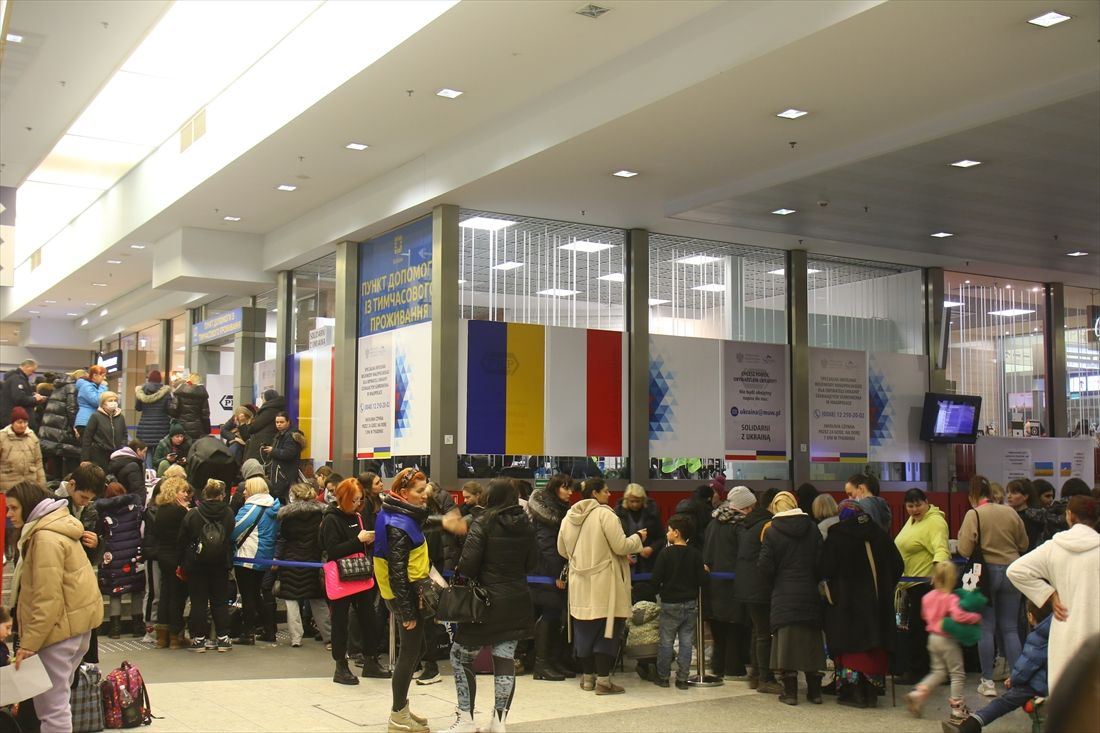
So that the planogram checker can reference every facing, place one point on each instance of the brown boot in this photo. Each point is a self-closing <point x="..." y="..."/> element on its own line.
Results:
<point x="162" y="636"/>
<point x="177" y="641"/>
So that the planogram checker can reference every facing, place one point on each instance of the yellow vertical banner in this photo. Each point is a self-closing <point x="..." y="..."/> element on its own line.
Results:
<point x="305" y="399"/>
<point x="524" y="410"/>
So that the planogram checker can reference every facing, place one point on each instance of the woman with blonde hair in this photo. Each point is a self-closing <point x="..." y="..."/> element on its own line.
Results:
<point x="105" y="432"/>
<point x="825" y="513"/>
<point x="254" y="538"/>
<point x="173" y="503"/>
<point x="299" y="528"/>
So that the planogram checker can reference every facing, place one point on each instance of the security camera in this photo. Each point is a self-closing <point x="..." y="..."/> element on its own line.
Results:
<point x="823" y="203"/>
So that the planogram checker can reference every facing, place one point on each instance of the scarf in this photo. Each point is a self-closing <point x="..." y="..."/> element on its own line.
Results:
<point x="42" y="509"/>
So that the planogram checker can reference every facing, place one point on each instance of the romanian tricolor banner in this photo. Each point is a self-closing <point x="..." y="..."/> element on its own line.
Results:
<point x="309" y="399"/>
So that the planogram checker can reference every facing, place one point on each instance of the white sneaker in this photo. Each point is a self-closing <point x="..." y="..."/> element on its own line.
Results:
<point x="987" y="688"/>
<point x="497" y="723"/>
<point x="464" y="723"/>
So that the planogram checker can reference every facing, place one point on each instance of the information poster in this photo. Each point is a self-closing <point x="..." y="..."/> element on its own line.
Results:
<point x="755" y="401"/>
<point x="1017" y="464"/>
<point x="896" y="384"/>
<point x="220" y="389"/>
<point x="1056" y="460"/>
<point x="263" y="378"/>
<point x="395" y="278"/>
<point x="374" y="418"/>
<point x="838" y="406"/>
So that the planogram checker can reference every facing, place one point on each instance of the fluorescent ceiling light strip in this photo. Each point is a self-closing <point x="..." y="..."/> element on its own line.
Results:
<point x="698" y="260"/>
<point x="782" y="271"/>
<point x="966" y="163"/>
<point x="509" y="265"/>
<point x="485" y="223"/>
<point x="588" y="247"/>
<point x="1011" y="312"/>
<point x="658" y="301"/>
<point x="711" y="288"/>
<point x="952" y="303"/>
<point x="1046" y="20"/>
<point x="559" y="292"/>
<point x="614" y="277"/>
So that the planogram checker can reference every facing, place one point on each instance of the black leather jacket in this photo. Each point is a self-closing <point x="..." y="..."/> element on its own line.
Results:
<point x="406" y="601"/>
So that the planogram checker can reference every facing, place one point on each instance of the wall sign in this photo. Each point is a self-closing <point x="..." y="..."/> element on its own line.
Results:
<point x="395" y="278"/>
<point x="838" y="406"/>
<point x="220" y="326"/>
<point x="755" y="401"/>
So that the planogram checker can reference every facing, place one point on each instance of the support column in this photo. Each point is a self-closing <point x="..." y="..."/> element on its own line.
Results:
<point x="164" y="356"/>
<point x="799" y="336"/>
<point x="637" y="327"/>
<point x="936" y="325"/>
<point x="248" y="348"/>
<point x="346" y="334"/>
<point x="445" y="315"/>
<point x="1057" y="417"/>
<point x="284" y="325"/>
<point x="734" y="304"/>
<point x="201" y="359"/>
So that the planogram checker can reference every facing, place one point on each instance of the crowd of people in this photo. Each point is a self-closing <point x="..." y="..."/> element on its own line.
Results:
<point x="787" y="582"/>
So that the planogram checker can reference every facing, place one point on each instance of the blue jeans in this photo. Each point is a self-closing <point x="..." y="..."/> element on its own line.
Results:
<point x="999" y="620"/>
<point x="1013" y="698"/>
<point x="677" y="621"/>
<point x="504" y="675"/>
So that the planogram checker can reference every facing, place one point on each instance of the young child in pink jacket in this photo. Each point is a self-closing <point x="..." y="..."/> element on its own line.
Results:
<point x="943" y="649"/>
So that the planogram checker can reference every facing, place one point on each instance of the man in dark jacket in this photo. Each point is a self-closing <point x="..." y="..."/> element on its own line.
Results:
<point x="154" y="401"/>
<point x="128" y="467"/>
<point x="17" y="391"/>
<point x="191" y="407"/>
<point x="284" y="453"/>
<point x="261" y="431"/>
<point x="752" y="590"/>
<point x="56" y="433"/>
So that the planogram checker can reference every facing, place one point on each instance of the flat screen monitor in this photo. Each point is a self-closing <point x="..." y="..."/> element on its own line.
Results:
<point x="950" y="418"/>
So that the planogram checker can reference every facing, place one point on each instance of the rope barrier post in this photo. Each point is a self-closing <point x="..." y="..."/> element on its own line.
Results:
<point x="701" y="678"/>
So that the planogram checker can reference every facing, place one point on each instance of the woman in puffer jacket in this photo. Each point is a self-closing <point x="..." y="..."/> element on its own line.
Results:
<point x="56" y="430"/>
<point x="300" y="532"/>
<point x="122" y="569"/>
<point x="105" y="432"/>
<point x="191" y="407"/>
<point x="88" y="392"/>
<point x="547" y="506"/>
<point x="153" y="400"/>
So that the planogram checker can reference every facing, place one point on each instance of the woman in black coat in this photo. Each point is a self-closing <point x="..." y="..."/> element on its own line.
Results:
<point x="498" y="553"/>
<point x="729" y="618"/>
<point x="128" y="467"/>
<point x="154" y="401"/>
<point x="300" y="541"/>
<point x="55" y="431"/>
<point x="789" y="561"/>
<point x="751" y="590"/>
<point x="637" y="511"/>
<point x="191" y="407"/>
<point x="862" y="567"/>
<point x="173" y="502"/>
<point x="548" y="506"/>
<point x="208" y="577"/>
<point x="105" y="432"/>
<point x="261" y="431"/>
<point x="285" y="453"/>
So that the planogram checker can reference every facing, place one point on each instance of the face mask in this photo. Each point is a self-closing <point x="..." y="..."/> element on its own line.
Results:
<point x="112" y="405"/>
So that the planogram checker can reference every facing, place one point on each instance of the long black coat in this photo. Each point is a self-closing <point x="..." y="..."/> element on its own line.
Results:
<point x="790" y="560"/>
<point x="300" y="532"/>
<point x="547" y="511"/>
<point x="261" y="431"/>
<point x="286" y="450"/>
<point x="154" y="401"/>
<point x="749" y="586"/>
<point x="55" y="434"/>
<point x="499" y="552"/>
<point x="191" y="407"/>
<point x="860" y="617"/>
<point x="720" y="555"/>
<point x="16" y="391"/>
<point x="101" y="437"/>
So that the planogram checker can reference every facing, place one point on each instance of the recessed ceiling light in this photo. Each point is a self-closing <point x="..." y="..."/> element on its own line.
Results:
<point x="92" y="304"/>
<point x="137" y="246"/>
<point x="1076" y="253"/>
<point x="34" y="313"/>
<point x="84" y="322"/>
<point x="624" y="173"/>
<point x="49" y="301"/>
<point x="658" y="301"/>
<point x="509" y="265"/>
<point x="792" y="113"/>
<point x="967" y="282"/>
<point x="952" y="303"/>
<point x="461" y="282"/>
<point x="1011" y="312"/>
<point x="99" y="285"/>
<point x="588" y="247"/>
<point x="698" y="260"/>
<point x="231" y="218"/>
<point x="357" y="146"/>
<point x="782" y="271"/>
<point x="1008" y="286"/>
<point x="14" y="38"/>
<point x="72" y="314"/>
<point x="784" y="212"/>
<point x="614" y="277"/>
<point x="965" y="163"/>
<point x="448" y="93"/>
<point x="103" y="312"/>
<point x="941" y="235"/>
<point x="1046" y="20"/>
<point x="711" y="288"/>
<point x="1036" y="289"/>
<point x="114" y="262"/>
<point x="486" y="223"/>
<point x="286" y="187"/>
<point x="559" y="292"/>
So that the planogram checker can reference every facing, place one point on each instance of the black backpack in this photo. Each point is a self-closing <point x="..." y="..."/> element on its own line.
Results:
<point x="212" y="545"/>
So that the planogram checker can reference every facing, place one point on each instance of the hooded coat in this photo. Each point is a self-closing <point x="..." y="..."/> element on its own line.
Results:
<point x="547" y="512"/>
<point x="591" y="538"/>
<point x="20" y="458"/>
<point x="164" y="447"/>
<point x="56" y="429"/>
<point x="300" y="531"/>
<point x="748" y="585"/>
<point x="400" y="554"/>
<point x="89" y="520"/>
<point x="790" y="558"/>
<point x="261" y="431"/>
<point x="58" y="597"/>
<point x="861" y="616"/>
<point x="122" y="569"/>
<point x="102" y="436"/>
<point x="154" y="401"/>
<point x="879" y="512"/>
<point x="191" y="530"/>
<point x="499" y="552"/>
<point x="286" y="450"/>
<point x="720" y="555"/>
<point x="261" y="511"/>
<point x="129" y="470"/>
<point x="87" y="399"/>
<point x="1070" y="564"/>
<point x="191" y="407"/>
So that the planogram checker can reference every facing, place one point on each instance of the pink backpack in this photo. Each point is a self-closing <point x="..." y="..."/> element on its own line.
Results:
<point x="125" y="698"/>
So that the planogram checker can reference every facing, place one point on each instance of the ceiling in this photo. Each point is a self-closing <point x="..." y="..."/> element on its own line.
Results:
<point x="889" y="110"/>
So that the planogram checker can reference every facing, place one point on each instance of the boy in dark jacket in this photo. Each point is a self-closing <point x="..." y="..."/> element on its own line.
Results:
<point x="208" y="568"/>
<point x="677" y="577"/>
<point x="1028" y="678"/>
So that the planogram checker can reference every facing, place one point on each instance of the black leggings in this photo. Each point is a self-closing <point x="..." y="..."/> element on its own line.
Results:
<point x="412" y="651"/>
<point x="249" y="583"/>
<point x="364" y="615"/>
<point x="761" y="641"/>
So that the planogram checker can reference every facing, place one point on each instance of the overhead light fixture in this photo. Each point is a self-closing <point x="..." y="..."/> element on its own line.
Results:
<point x="1008" y="286"/>
<point x="448" y="93"/>
<point x="698" y="260"/>
<point x="509" y="265"/>
<point x="942" y="235"/>
<point x="137" y="246"/>
<point x="461" y="282"/>
<point x="1011" y="312"/>
<point x="782" y="271"/>
<point x="1076" y="253"/>
<point x="967" y="282"/>
<point x="84" y="322"/>
<point x="485" y="223"/>
<point x="99" y="285"/>
<point x="114" y="262"/>
<point x="48" y="302"/>
<point x="286" y="187"/>
<point x="952" y="303"/>
<point x="966" y="163"/>
<point x="614" y="277"/>
<point x="1046" y="20"/>
<point x="103" y="312"/>
<point x="624" y="173"/>
<point x="34" y="313"/>
<point x="14" y="38"/>
<point x="92" y="304"/>
<point x="1036" y="289"/>
<point x="587" y="247"/>
<point x="231" y="218"/>
<point x="72" y="314"/>
<point x="658" y="301"/>
<point x="784" y="212"/>
<point x="559" y="292"/>
<point x="356" y="146"/>
<point x="792" y="114"/>
<point x="711" y="288"/>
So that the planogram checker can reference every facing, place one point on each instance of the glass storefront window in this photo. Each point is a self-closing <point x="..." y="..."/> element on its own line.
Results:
<point x="178" y="355"/>
<point x="314" y="298"/>
<point x="1082" y="315"/>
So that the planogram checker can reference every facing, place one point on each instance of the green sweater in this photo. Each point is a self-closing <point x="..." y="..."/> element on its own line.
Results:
<point x="923" y="544"/>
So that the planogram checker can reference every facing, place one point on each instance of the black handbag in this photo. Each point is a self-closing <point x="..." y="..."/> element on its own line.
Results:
<point x="355" y="567"/>
<point x="463" y="602"/>
<point x="427" y="593"/>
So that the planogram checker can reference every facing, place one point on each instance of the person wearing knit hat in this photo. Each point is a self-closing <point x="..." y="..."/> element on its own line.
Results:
<point x="725" y="612"/>
<point x="252" y="468"/>
<point x="718" y="483"/>
<point x="741" y="497"/>
<point x="20" y="455"/>
<point x="18" y="413"/>
<point x="172" y="449"/>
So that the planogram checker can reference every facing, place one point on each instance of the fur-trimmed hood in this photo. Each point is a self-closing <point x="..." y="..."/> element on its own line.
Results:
<point x="546" y="508"/>
<point x="149" y="393"/>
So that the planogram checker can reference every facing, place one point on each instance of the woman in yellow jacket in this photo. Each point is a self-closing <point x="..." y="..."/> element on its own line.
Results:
<point x="57" y="599"/>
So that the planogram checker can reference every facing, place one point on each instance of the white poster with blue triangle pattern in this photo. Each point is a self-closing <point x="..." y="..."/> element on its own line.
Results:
<point x="896" y="384"/>
<point x="685" y="397"/>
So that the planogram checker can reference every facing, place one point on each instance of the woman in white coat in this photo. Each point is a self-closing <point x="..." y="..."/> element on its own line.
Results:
<point x="1066" y="570"/>
<point x="591" y="538"/>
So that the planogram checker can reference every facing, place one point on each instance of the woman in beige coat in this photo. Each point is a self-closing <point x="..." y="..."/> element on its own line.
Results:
<point x="56" y="596"/>
<point x="591" y="538"/>
<point x="20" y="454"/>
